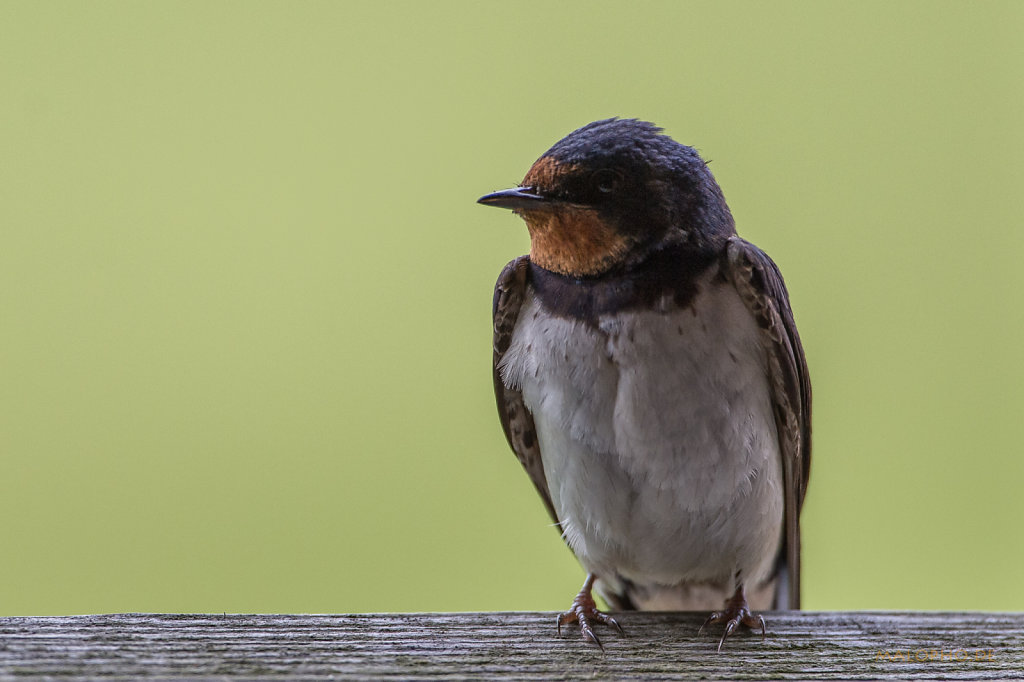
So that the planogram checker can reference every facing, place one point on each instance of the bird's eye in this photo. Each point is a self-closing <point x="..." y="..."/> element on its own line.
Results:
<point x="605" y="180"/>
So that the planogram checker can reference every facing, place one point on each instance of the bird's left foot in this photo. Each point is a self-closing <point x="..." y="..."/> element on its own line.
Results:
<point x="736" y="613"/>
<point x="584" y="611"/>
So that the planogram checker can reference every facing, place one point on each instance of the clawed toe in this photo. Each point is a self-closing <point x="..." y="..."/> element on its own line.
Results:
<point x="584" y="612"/>
<point x="736" y="613"/>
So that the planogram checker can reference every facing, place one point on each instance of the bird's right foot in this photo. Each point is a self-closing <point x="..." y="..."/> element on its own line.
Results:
<point x="584" y="611"/>
<point x="736" y="613"/>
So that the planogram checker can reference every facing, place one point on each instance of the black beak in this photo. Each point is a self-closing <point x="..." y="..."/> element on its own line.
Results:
<point x="515" y="198"/>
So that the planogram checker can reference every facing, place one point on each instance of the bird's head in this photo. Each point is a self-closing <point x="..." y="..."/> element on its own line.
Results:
<point x="609" y="194"/>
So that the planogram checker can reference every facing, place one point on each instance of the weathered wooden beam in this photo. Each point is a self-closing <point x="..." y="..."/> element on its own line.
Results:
<point x="805" y="645"/>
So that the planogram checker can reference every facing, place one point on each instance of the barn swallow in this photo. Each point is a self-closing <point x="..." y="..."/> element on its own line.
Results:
<point x="650" y="379"/>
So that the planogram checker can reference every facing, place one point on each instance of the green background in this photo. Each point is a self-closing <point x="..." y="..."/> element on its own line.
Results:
<point x="245" y="289"/>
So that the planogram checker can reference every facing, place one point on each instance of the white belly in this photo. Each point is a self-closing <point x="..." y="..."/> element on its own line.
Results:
<point x="657" y="437"/>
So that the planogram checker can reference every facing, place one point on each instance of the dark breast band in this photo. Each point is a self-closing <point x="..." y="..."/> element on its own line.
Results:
<point x="672" y="271"/>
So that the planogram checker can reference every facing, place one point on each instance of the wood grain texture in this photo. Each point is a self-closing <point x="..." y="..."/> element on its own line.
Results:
<point x="804" y="645"/>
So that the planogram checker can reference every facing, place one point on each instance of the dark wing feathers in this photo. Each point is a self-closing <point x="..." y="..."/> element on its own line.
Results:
<point x="760" y="285"/>
<point x="520" y="431"/>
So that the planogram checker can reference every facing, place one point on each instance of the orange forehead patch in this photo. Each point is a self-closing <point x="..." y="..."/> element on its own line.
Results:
<point x="544" y="172"/>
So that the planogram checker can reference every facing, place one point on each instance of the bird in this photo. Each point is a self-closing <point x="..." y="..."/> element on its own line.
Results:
<point x="650" y="379"/>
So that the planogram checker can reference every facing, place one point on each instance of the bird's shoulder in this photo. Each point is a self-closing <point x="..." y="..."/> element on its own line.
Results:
<point x="760" y="285"/>
<point x="510" y="292"/>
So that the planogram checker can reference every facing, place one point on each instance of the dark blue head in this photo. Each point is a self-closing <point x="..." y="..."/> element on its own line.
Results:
<point x="612" y="192"/>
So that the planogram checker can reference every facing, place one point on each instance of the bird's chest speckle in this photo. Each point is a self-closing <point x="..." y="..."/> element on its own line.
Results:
<point x="655" y="429"/>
